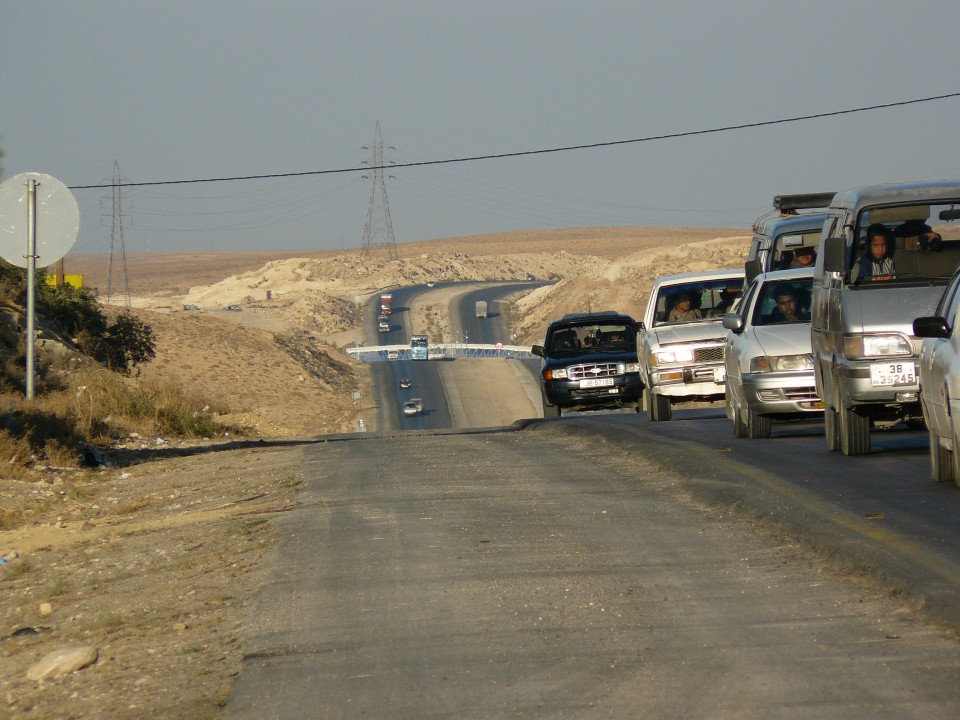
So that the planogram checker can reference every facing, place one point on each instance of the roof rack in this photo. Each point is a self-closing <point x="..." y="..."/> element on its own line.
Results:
<point x="789" y="204"/>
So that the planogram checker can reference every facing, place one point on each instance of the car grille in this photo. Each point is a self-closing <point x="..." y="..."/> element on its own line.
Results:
<point x="708" y="354"/>
<point x="594" y="370"/>
<point x="801" y="395"/>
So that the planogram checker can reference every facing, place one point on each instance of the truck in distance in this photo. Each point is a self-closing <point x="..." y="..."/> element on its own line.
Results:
<point x="383" y="323"/>
<point x="386" y="303"/>
<point x="481" y="309"/>
<point x="419" y="347"/>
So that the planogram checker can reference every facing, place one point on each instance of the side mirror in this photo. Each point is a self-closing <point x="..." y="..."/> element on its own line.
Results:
<point x="639" y="326"/>
<point x="932" y="326"/>
<point x="835" y="254"/>
<point x="733" y="322"/>
<point x="537" y="350"/>
<point x="752" y="269"/>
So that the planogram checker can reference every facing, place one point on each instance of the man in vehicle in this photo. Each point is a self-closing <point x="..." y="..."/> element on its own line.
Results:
<point x="683" y="310"/>
<point x="788" y="308"/>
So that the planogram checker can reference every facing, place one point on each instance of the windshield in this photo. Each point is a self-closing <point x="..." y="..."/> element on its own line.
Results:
<point x="783" y="302"/>
<point x="618" y="337"/>
<point x="700" y="301"/>
<point x="905" y="243"/>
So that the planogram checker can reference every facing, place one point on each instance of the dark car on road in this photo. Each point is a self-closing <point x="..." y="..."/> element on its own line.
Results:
<point x="589" y="362"/>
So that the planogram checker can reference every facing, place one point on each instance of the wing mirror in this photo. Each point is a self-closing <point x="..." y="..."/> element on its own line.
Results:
<point x="733" y="322"/>
<point x="835" y="254"/>
<point x="537" y="350"/>
<point x="932" y="326"/>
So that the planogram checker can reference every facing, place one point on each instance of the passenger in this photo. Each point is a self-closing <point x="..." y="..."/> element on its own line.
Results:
<point x="803" y="257"/>
<point x="917" y="235"/>
<point x="877" y="261"/>
<point x="788" y="307"/>
<point x="728" y="297"/>
<point x="683" y="310"/>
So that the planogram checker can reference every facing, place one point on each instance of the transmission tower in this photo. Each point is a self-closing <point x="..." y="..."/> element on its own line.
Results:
<point x="116" y="237"/>
<point x="378" y="232"/>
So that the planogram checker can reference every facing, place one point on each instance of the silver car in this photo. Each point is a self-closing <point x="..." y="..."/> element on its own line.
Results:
<point x="939" y="368"/>
<point x="681" y="342"/>
<point x="768" y="354"/>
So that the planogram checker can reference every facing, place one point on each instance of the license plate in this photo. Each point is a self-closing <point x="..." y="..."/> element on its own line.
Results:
<point x="894" y="373"/>
<point x="719" y="374"/>
<point x="596" y="382"/>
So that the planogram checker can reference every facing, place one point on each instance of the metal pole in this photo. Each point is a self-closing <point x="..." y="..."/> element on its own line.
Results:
<point x="31" y="273"/>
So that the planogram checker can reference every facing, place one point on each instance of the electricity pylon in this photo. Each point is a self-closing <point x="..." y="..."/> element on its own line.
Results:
<point x="378" y="231"/>
<point x="116" y="237"/>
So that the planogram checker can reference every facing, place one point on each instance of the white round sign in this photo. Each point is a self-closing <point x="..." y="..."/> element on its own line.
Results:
<point x="499" y="346"/>
<point x="58" y="219"/>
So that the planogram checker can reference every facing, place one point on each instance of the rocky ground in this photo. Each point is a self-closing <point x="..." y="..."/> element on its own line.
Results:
<point x="146" y="563"/>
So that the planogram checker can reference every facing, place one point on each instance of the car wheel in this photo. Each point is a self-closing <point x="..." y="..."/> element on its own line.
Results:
<point x="854" y="432"/>
<point x="941" y="460"/>
<point x="739" y="426"/>
<point x="758" y="426"/>
<point x="832" y="427"/>
<point x="658" y="408"/>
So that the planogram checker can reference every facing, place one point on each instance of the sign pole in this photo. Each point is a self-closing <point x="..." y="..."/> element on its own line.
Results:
<point x="31" y="257"/>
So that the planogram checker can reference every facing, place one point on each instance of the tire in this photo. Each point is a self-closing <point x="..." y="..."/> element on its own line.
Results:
<point x="758" y="426"/>
<point x="659" y="408"/>
<point x="854" y="432"/>
<point x="941" y="461"/>
<point x="832" y="426"/>
<point x="739" y="426"/>
<point x="549" y="411"/>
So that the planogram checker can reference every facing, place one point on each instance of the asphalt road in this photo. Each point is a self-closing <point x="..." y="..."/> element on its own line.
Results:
<point x="551" y="570"/>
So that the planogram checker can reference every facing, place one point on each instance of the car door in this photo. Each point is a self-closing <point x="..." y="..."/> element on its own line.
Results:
<point x="938" y="360"/>
<point x="737" y="345"/>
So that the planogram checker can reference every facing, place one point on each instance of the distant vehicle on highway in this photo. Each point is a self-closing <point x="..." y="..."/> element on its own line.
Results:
<point x="430" y="283"/>
<point x="383" y="323"/>
<point x="393" y="355"/>
<point x="886" y="254"/>
<point x="419" y="347"/>
<point x="589" y="362"/>
<point x="481" y="309"/>
<point x="681" y="343"/>
<point x="939" y="369"/>
<point x="769" y="367"/>
<point x="412" y="407"/>
<point x="233" y="308"/>
<point x="405" y="383"/>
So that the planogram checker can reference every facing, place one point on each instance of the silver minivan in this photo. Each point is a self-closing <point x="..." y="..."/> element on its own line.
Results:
<point x="886" y="254"/>
<point x="787" y="236"/>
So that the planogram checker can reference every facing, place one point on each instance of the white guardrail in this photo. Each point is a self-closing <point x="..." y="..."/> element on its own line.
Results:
<point x="440" y="351"/>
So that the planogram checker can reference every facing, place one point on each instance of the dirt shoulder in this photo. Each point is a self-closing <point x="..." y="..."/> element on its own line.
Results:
<point x="149" y="564"/>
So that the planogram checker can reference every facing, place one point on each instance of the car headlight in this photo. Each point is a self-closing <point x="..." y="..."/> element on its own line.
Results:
<point x="780" y="363"/>
<point x="624" y="368"/>
<point x="558" y="374"/>
<point x="869" y="346"/>
<point x="670" y="357"/>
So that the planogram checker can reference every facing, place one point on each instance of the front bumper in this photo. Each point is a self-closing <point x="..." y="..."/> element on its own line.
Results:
<point x="625" y="388"/>
<point x="857" y="387"/>
<point x="704" y="381"/>
<point x="781" y="393"/>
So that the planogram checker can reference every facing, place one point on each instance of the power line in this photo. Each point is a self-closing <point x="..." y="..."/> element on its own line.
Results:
<point x="544" y="151"/>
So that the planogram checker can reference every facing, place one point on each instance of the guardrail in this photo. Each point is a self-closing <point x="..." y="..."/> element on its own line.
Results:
<point x="440" y="351"/>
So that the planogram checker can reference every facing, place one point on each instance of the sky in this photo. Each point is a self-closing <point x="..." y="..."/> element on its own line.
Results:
<point x="199" y="89"/>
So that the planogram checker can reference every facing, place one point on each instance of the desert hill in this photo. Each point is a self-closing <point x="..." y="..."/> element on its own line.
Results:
<point x="279" y="362"/>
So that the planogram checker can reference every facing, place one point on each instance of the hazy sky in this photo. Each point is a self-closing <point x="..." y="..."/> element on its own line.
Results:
<point x="193" y="89"/>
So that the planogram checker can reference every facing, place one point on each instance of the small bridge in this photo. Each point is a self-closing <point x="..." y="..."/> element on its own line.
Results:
<point x="441" y="351"/>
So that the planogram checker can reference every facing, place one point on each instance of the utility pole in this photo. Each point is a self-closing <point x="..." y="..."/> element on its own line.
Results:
<point x="378" y="231"/>
<point x="116" y="236"/>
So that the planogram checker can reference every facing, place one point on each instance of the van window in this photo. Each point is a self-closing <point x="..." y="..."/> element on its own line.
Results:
<point x="922" y="243"/>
